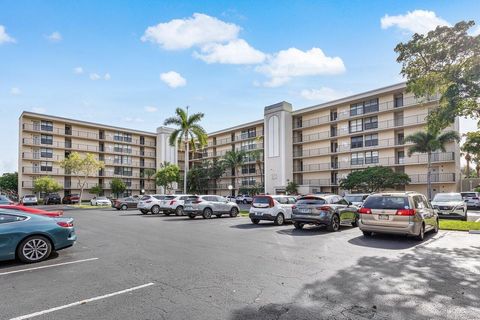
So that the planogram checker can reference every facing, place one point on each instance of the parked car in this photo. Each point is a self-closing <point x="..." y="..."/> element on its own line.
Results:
<point x="126" y="203"/>
<point x="450" y="205"/>
<point x="71" y="198"/>
<point x="52" y="198"/>
<point x="29" y="200"/>
<point x="5" y="200"/>
<point x="51" y="214"/>
<point x="356" y="199"/>
<point x="32" y="238"/>
<point x="231" y="198"/>
<point x="208" y="205"/>
<point x="272" y="208"/>
<point x="407" y="213"/>
<point x="244" y="198"/>
<point x="472" y="199"/>
<point x="329" y="210"/>
<point x="150" y="203"/>
<point x="174" y="204"/>
<point x="100" y="201"/>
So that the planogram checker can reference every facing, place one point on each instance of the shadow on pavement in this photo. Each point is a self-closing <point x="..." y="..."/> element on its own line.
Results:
<point x="425" y="283"/>
<point x="390" y="241"/>
<point x="255" y="226"/>
<point x="16" y="263"/>
<point x="310" y="231"/>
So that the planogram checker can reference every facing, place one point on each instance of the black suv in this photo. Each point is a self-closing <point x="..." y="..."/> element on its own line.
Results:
<point x="52" y="198"/>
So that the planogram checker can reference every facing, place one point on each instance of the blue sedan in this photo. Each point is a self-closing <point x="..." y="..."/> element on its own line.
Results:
<point x="32" y="238"/>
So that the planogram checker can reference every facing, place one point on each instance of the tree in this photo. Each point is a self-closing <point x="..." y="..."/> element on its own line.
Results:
<point x="9" y="182"/>
<point x="81" y="168"/>
<point x="445" y="61"/>
<point x="167" y="175"/>
<point x="46" y="185"/>
<point x="188" y="132"/>
<point x="234" y="160"/>
<point x="471" y="148"/>
<point x="429" y="142"/>
<point x="118" y="186"/>
<point x="292" y="187"/>
<point x="96" y="190"/>
<point x="374" y="179"/>
<point x="148" y="173"/>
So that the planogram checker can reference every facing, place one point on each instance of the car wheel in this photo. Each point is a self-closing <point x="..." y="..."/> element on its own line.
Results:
<point x="367" y="234"/>
<point x="465" y="218"/>
<point x="179" y="211"/>
<point x="155" y="209"/>
<point x="255" y="221"/>
<point x="245" y="201"/>
<point x="421" y="234"/>
<point x="279" y="219"/>
<point x="334" y="224"/>
<point x="124" y="207"/>
<point x="437" y="226"/>
<point x="207" y="213"/>
<point x="34" y="249"/>
<point x="233" y="212"/>
<point x="355" y="222"/>
<point x="298" y="225"/>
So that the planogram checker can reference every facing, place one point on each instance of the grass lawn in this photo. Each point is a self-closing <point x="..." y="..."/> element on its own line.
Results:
<point x="243" y="213"/>
<point x="459" y="225"/>
<point x="87" y="206"/>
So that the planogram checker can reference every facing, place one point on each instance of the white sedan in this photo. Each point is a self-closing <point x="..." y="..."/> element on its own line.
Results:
<point x="100" y="201"/>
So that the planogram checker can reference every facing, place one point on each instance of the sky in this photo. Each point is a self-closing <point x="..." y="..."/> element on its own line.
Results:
<point x="131" y="63"/>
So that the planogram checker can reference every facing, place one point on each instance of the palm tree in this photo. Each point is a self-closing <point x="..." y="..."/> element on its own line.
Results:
<point x="234" y="159"/>
<point x="188" y="132"/>
<point x="468" y="158"/>
<point x="429" y="142"/>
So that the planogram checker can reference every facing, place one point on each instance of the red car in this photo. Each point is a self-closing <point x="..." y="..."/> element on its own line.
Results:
<point x="52" y="214"/>
<point x="71" y="198"/>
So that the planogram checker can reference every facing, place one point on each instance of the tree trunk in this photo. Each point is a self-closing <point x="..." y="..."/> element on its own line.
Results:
<point x="429" y="176"/>
<point x="467" y="159"/>
<point x="187" y="150"/>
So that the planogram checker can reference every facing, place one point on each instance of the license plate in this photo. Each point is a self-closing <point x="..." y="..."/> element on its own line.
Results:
<point x="259" y="213"/>
<point x="304" y="210"/>
<point x="383" y="217"/>
<point x="188" y="208"/>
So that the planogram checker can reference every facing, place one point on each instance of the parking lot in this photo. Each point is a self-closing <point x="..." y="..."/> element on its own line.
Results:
<point x="131" y="266"/>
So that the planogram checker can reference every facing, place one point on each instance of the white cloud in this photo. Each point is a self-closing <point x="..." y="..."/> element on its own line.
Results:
<point x="189" y="32"/>
<point x="130" y="119"/>
<point x="322" y="94"/>
<point x="173" y="79"/>
<point x="4" y="37"/>
<point x="94" y="76"/>
<point x="78" y="70"/>
<point x="107" y="76"/>
<point x="150" y="109"/>
<point x="475" y="31"/>
<point x="15" y="91"/>
<point x="234" y="52"/>
<point x="417" y="21"/>
<point x="39" y="110"/>
<point x="286" y="64"/>
<point x="54" y="37"/>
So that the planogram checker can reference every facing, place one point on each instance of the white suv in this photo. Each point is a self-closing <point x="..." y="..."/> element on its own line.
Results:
<point x="150" y="203"/>
<point x="174" y="204"/>
<point x="243" y="198"/>
<point x="273" y="208"/>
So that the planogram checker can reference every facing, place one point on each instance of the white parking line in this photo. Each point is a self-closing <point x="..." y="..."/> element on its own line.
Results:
<point x="49" y="266"/>
<point x="478" y="220"/>
<point x="39" y="313"/>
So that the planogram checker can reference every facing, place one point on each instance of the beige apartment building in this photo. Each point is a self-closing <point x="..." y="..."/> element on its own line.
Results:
<point x="314" y="146"/>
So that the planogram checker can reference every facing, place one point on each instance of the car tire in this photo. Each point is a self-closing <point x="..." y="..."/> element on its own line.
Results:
<point x="233" y="212"/>
<point x="245" y="201"/>
<point x="155" y="209"/>
<point x="255" y="221"/>
<point x="124" y="207"/>
<point x="421" y="234"/>
<point x="355" y="222"/>
<point x="179" y="211"/>
<point x="207" y="213"/>
<point x="34" y="249"/>
<point x="191" y="216"/>
<point x="437" y="227"/>
<point x="298" y="225"/>
<point x="279" y="219"/>
<point x="465" y="218"/>
<point x="367" y="234"/>
<point x="334" y="225"/>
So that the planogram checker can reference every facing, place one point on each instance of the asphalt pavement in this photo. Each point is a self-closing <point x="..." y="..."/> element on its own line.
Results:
<point x="131" y="266"/>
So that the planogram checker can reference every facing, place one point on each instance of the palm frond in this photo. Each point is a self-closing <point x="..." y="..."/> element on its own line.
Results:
<point x="172" y="140"/>
<point x="195" y="118"/>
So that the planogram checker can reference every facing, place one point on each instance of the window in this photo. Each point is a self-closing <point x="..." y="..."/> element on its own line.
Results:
<point x="250" y="133"/>
<point x="128" y="182"/>
<point x="250" y="181"/>
<point x="356" y="109"/>
<point x="356" y="125"/>
<point x="46" y="139"/>
<point x="341" y="201"/>
<point x="398" y="100"/>
<point x="357" y="158"/>
<point x="371" y="157"/>
<point x="400" y="157"/>
<point x="371" y="123"/>
<point x="121" y="136"/>
<point x="356" y="142"/>
<point x="46" y="166"/>
<point x="371" y="140"/>
<point x="46" y="153"/>
<point x="248" y="169"/>
<point x="371" y="105"/>
<point x="46" y="125"/>
<point x="123" y="171"/>
<point x="6" y="218"/>
<point x="122" y="148"/>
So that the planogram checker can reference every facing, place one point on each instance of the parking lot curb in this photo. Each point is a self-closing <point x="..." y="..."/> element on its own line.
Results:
<point x="474" y="231"/>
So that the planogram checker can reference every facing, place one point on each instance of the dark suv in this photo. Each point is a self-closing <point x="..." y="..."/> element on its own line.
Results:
<point x="52" y="198"/>
<point x="327" y="210"/>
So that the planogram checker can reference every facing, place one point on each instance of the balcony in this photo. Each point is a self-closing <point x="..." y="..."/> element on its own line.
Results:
<point x="435" y="178"/>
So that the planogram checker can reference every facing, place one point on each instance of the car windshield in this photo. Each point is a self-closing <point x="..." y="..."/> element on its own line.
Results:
<point x="145" y="198"/>
<point x="354" y="198"/>
<point x="310" y="201"/>
<point x="386" y="202"/>
<point x="447" y="197"/>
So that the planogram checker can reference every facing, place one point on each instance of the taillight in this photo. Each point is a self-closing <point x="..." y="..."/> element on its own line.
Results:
<point x="271" y="204"/>
<point x="323" y="208"/>
<point x="64" y="224"/>
<point x="172" y="202"/>
<point x="405" y="212"/>
<point x="294" y="207"/>
<point x="197" y="201"/>
<point x="60" y="213"/>
<point x="475" y="198"/>
<point x="365" y="211"/>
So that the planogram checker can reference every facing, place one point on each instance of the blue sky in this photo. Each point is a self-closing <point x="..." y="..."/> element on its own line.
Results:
<point x="131" y="63"/>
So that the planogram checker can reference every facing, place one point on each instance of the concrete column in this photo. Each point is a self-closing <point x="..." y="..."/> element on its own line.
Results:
<point x="165" y="152"/>
<point x="278" y="146"/>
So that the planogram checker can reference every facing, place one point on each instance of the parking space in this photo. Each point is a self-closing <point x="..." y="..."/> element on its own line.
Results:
<point x="131" y="266"/>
